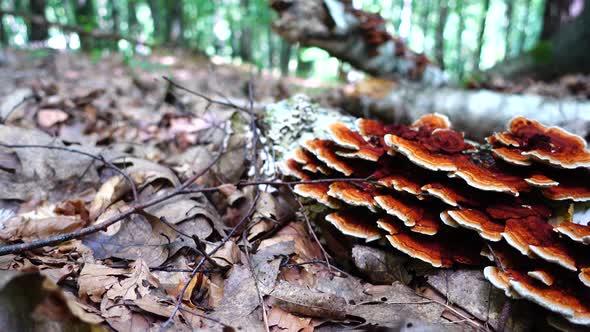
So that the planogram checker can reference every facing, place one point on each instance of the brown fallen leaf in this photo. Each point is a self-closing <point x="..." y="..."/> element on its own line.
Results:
<point x="39" y="223"/>
<point x="136" y="285"/>
<point x="49" y="117"/>
<point x="287" y="321"/>
<point x="95" y="280"/>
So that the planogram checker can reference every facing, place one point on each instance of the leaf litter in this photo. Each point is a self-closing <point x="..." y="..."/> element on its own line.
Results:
<point x="237" y="252"/>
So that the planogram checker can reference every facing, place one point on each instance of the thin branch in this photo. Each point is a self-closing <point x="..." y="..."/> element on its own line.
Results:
<point x="54" y="240"/>
<point x="207" y="98"/>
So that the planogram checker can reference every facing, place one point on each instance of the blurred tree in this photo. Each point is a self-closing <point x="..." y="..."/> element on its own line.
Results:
<point x="460" y="64"/>
<point x="508" y="31"/>
<point x="37" y="31"/>
<point x="285" y="56"/>
<point x="556" y="12"/>
<point x="3" y="32"/>
<point x="481" y="34"/>
<point x="86" y="19"/>
<point x="525" y="27"/>
<point x="246" y="35"/>
<point x="440" y="29"/>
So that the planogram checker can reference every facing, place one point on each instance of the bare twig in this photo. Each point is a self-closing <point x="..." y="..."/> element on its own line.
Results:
<point x="207" y="98"/>
<point x="16" y="248"/>
<point x="89" y="155"/>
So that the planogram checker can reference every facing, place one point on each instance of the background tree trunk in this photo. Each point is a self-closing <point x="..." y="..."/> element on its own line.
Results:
<point x="481" y="35"/>
<point x="460" y="63"/>
<point x="38" y="32"/>
<point x="508" y="31"/>
<point x="555" y="13"/>
<point x="3" y="32"/>
<point x="85" y="19"/>
<point x="285" y="56"/>
<point x="246" y="36"/>
<point x="523" y="31"/>
<point x="155" y="9"/>
<point x="132" y="26"/>
<point x="440" y="31"/>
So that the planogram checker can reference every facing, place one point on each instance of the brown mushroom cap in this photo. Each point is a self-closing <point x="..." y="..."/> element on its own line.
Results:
<point x="542" y="181"/>
<point x="319" y="192"/>
<point x="534" y="237"/>
<point x="355" y="223"/>
<point x="354" y="194"/>
<point x="476" y="220"/>
<point x="427" y="250"/>
<point x="349" y="139"/>
<point x="412" y="213"/>
<point x="554" y="298"/>
<point x="293" y="168"/>
<point x="576" y="232"/>
<point x="325" y="151"/>
<point x="512" y="156"/>
<point x="476" y="175"/>
<point x="551" y="145"/>
<point x="310" y="162"/>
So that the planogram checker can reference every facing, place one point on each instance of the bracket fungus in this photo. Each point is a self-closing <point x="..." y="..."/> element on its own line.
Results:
<point x="439" y="198"/>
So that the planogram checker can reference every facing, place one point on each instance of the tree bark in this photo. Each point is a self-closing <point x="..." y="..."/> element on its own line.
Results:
<point x="440" y="38"/>
<point x="131" y="17"/>
<point x="356" y="37"/>
<point x="156" y="18"/>
<point x="246" y="36"/>
<point x="86" y="20"/>
<point x="568" y="51"/>
<point x="555" y="13"/>
<point x="523" y="31"/>
<point x="271" y="48"/>
<point x="37" y="32"/>
<point x="424" y="22"/>
<point x="459" y="36"/>
<point x="3" y="32"/>
<point x="481" y="35"/>
<point x="174" y="26"/>
<point x="508" y="31"/>
<point x="285" y="57"/>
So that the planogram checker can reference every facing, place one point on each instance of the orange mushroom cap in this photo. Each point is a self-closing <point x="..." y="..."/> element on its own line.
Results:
<point x="355" y="223"/>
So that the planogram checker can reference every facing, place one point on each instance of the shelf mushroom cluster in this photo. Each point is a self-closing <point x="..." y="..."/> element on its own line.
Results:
<point x="447" y="201"/>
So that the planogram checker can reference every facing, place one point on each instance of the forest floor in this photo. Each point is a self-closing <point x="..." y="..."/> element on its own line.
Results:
<point x="165" y="220"/>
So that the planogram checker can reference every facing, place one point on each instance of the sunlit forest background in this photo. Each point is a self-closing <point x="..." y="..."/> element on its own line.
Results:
<point x="476" y="34"/>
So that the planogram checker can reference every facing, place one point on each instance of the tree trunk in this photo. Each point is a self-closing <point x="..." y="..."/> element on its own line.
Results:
<point x="131" y="18"/>
<point x="3" y="32"/>
<point x="481" y="35"/>
<point x="425" y="24"/>
<point x="38" y="32"/>
<point x="156" y="18"/>
<point x="460" y="63"/>
<point x="246" y="36"/>
<point x="568" y="51"/>
<point x="356" y="37"/>
<point x="271" y="48"/>
<point x="556" y="12"/>
<point x="523" y="31"/>
<point x="440" y="31"/>
<point x="174" y="29"/>
<point x="285" y="56"/>
<point x="509" y="10"/>
<point x="85" y="19"/>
